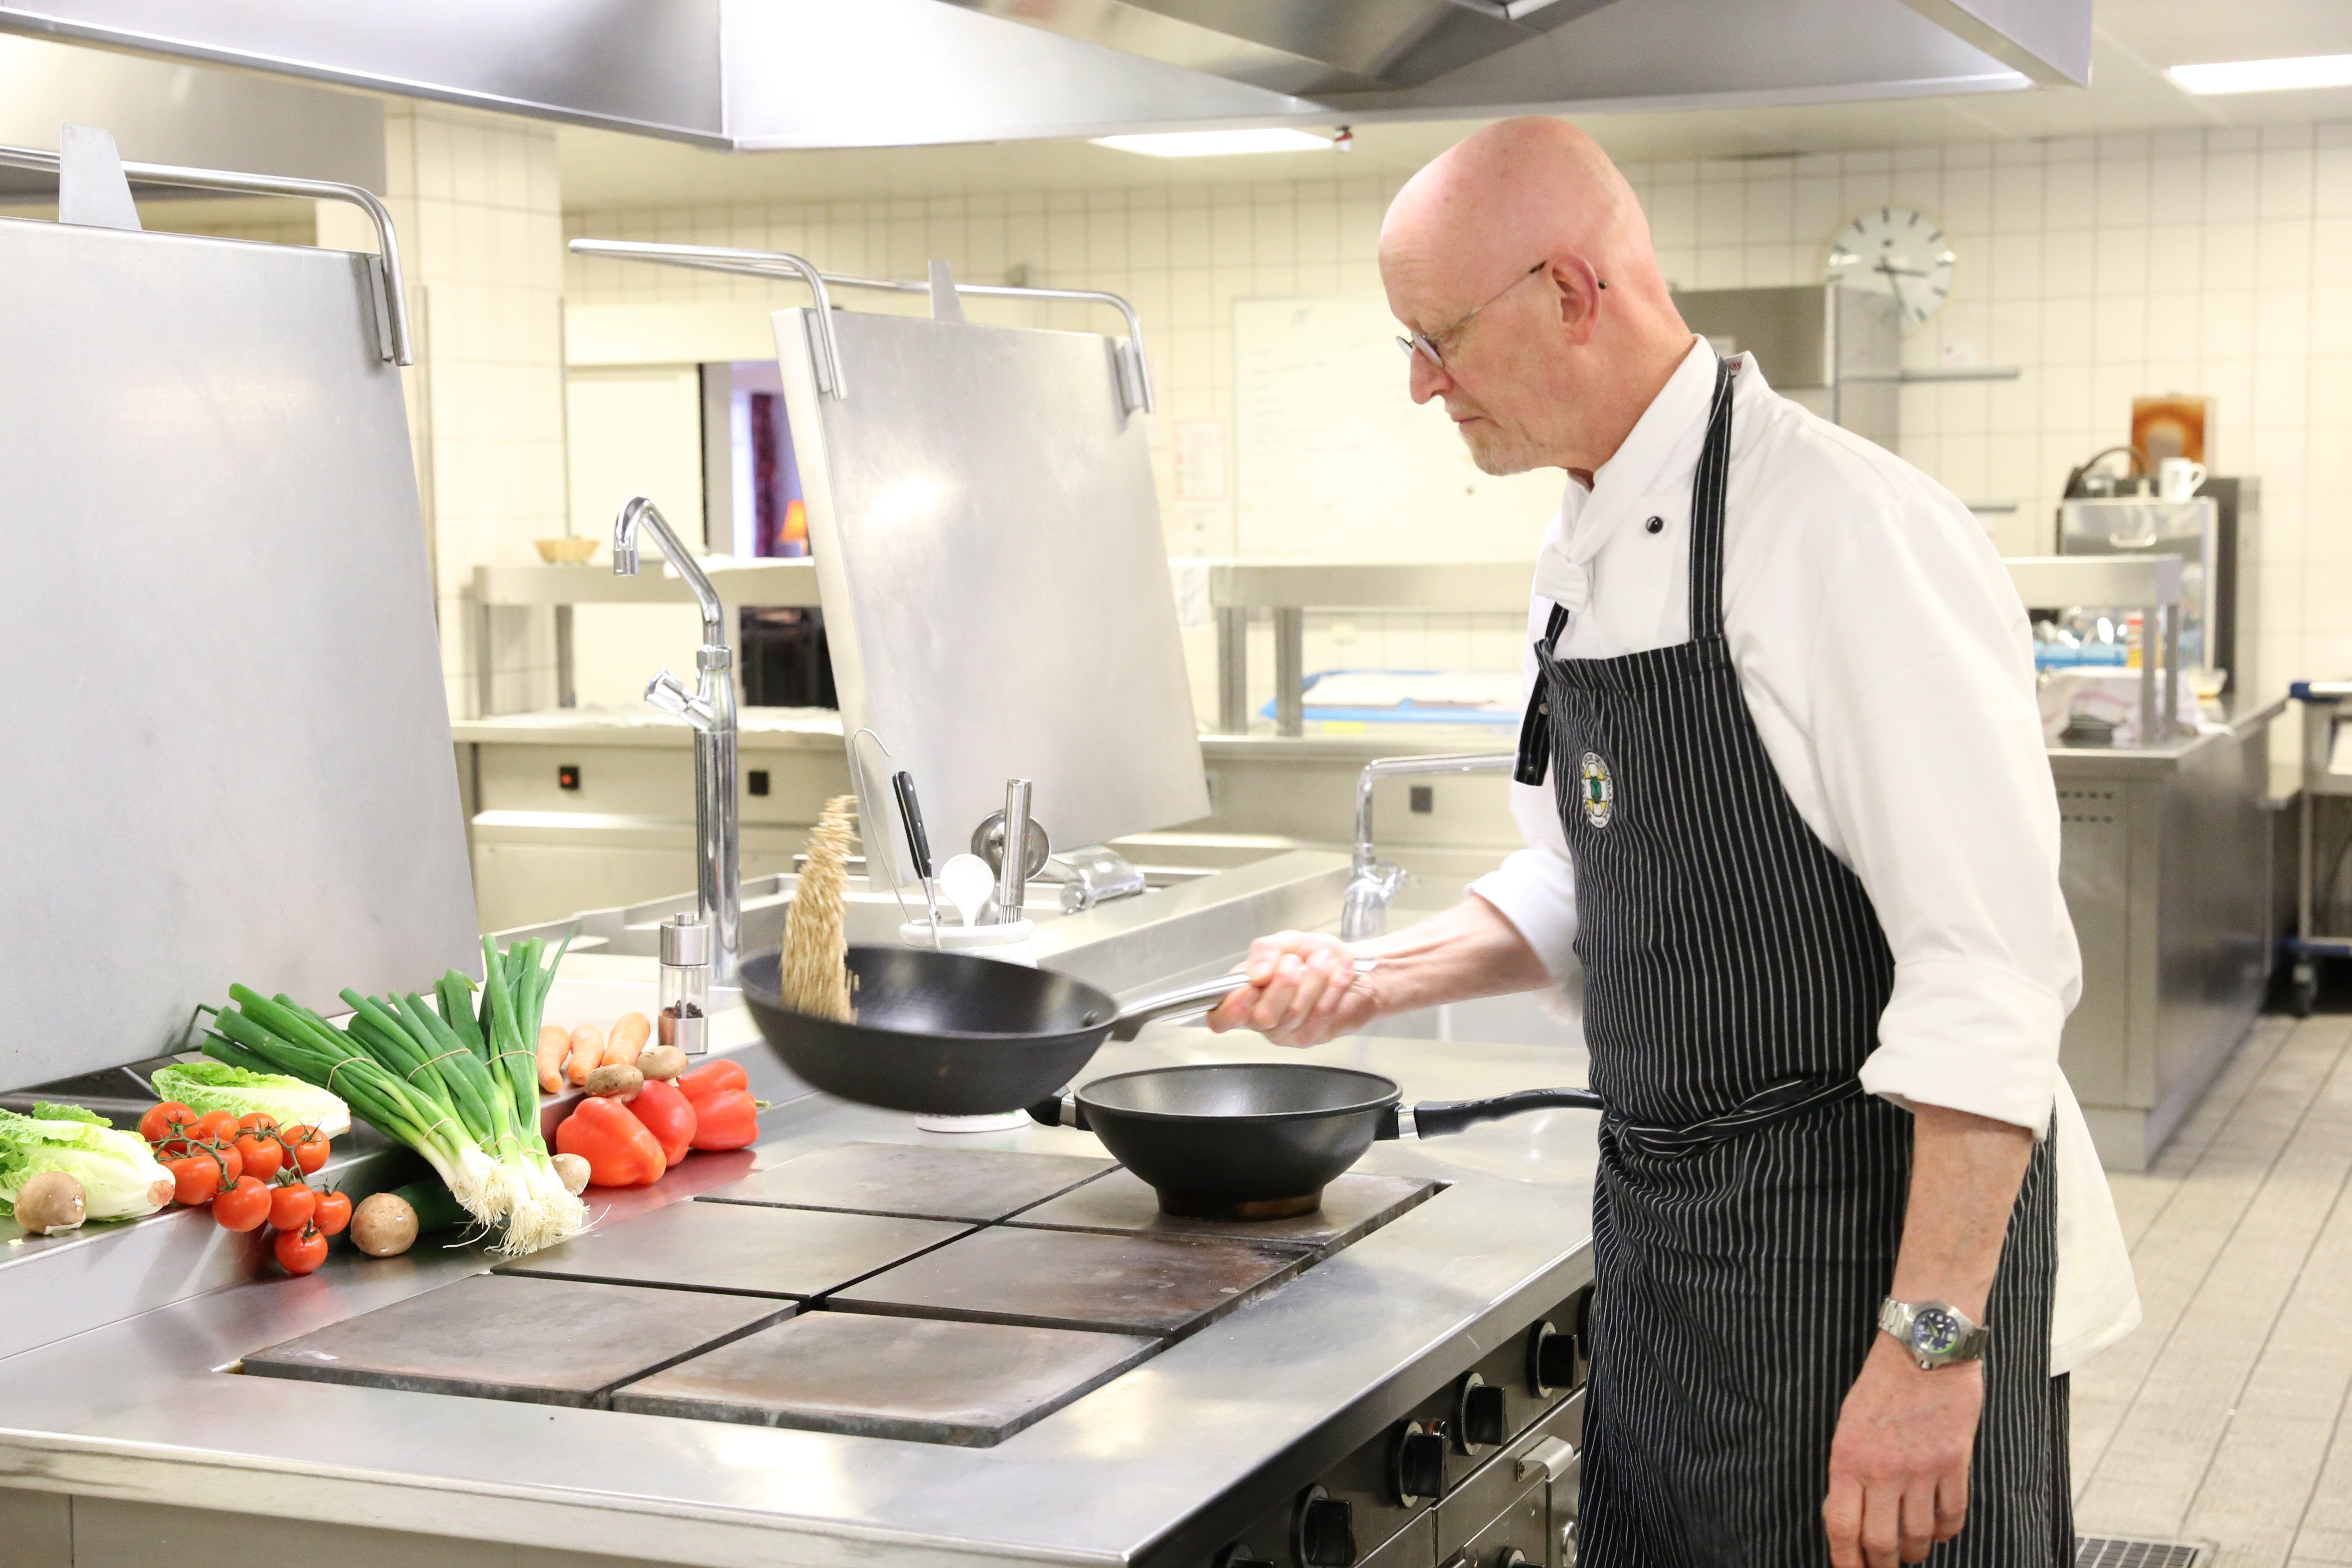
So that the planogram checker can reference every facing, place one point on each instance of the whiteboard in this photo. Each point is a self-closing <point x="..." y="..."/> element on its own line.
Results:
<point x="1333" y="461"/>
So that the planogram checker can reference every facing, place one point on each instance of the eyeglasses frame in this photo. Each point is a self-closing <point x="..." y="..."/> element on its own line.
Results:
<point x="1425" y="344"/>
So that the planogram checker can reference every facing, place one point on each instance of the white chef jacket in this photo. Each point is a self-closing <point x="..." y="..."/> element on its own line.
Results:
<point x="1888" y="663"/>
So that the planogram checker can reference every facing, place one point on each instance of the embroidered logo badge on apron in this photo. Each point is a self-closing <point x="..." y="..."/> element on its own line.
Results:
<point x="1599" y="789"/>
<point x="1750" y="1200"/>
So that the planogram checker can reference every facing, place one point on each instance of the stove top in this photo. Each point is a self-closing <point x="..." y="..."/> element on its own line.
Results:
<point x="930" y="1294"/>
<point x="543" y="1341"/>
<point x="916" y="1379"/>
<point x="917" y="1179"/>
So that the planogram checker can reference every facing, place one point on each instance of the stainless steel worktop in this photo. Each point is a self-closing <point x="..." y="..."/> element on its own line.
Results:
<point x="145" y="1407"/>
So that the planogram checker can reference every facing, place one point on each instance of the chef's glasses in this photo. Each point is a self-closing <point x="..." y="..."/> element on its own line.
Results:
<point x="1426" y="343"/>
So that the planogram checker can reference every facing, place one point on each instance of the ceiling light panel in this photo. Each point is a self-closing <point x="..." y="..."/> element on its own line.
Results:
<point x="2265" y="75"/>
<point x="1216" y="143"/>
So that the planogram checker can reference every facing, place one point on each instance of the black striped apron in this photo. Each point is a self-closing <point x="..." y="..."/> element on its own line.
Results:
<point x="1750" y="1195"/>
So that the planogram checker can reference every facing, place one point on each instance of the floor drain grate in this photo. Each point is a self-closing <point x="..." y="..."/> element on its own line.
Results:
<point x="2124" y="1552"/>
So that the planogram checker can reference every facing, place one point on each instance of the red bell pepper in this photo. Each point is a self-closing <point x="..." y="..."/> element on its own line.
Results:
<point x="727" y="1119"/>
<point x="714" y="1078"/>
<point x="669" y="1115"/>
<point x="619" y="1150"/>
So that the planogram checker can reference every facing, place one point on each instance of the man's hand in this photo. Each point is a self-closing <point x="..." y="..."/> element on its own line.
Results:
<point x="1304" y="991"/>
<point x="1899" y="1464"/>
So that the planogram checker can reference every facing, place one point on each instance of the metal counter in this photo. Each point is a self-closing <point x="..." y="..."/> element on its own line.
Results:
<point x="2166" y="862"/>
<point x="1162" y="1465"/>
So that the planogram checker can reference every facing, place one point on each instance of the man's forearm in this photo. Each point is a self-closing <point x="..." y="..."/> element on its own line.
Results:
<point x="1469" y="951"/>
<point x="1965" y="1172"/>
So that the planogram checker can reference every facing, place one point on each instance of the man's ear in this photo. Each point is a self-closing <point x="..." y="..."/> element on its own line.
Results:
<point x="1579" y="292"/>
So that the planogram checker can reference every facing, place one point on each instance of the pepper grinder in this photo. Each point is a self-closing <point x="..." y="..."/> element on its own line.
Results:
<point x="1012" y="872"/>
<point x="685" y="1019"/>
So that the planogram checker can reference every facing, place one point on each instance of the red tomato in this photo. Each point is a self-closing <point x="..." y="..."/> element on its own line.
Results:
<point x="216" y="1126"/>
<point x="160" y="1120"/>
<point x="667" y="1115"/>
<point x="714" y="1078"/>
<point x="300" y="1251"/>
<point x="242" y="1207"/>
<point x="232" y="1163"/>
<point x="728" y="1120"/>
<point x="291" y="1205"/>
<point x="194" y="1178"/>
<point x="334" y="1212"/>
<point x="262" y="1153"/>
<point x="308" y="1147"/>
<point x="257" y="1122"/>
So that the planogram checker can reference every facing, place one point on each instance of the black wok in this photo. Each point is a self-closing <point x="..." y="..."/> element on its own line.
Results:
<point x="949" y="1033"/>
<point x="1261" y="1140"/>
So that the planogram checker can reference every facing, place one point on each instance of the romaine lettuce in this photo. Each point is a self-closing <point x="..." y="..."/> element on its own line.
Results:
<point x="203" y="1086"/>
<point x="121" y="1177"/>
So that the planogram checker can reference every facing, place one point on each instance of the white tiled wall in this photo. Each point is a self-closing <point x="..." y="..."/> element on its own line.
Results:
<point x="2209" y="263"/>
<point x="475" y="202"/>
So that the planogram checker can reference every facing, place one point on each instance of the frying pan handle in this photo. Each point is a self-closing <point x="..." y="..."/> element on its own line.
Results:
<point x="1434" y="1118"/>
<point x="1060" y="1110"/>
<point x="1196" y="998"/>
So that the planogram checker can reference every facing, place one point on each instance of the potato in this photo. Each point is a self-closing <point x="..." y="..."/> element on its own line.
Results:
<point x="49" y="1202"/>
<point x="661" y="1061"/>
<point x="621" y="1083"/>
<point x="383" y="1225"/>
<point x="574" y="1171"/>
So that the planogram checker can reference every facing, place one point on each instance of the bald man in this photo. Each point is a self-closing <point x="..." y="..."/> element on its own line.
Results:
<point x="1788" y="812"/>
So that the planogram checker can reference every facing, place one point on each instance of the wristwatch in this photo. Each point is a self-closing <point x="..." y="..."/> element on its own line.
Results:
<point x="1935" y="1333"/>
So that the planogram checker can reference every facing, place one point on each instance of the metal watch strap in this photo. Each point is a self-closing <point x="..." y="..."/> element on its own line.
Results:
<point x="1964" y="1339"/>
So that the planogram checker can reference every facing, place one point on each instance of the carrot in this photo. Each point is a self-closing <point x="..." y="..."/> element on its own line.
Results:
<point x="587" y="1053"/>
<point x="630" y="1032"/>
<point x="554" y="1039"/>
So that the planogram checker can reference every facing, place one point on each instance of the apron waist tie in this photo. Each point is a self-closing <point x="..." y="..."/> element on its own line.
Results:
<point x="1763" y="1109"/>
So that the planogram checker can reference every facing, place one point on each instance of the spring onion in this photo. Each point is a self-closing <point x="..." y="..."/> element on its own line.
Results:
<point x="458" y="1086"/>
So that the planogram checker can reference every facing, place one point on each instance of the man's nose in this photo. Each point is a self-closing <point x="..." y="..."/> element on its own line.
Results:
<point x="1426" y="380"/>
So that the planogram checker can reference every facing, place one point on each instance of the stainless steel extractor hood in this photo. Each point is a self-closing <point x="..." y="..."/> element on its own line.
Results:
<point x="756" y="74"/>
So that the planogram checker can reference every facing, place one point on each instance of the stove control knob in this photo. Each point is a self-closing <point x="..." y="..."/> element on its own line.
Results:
<point x="1418" y="1464"/>
<point x="1511" y="1557"/>
<point x="1480" y="1418"/>
<point x="1551" y="1360"/>
<point x="1323" y="1530"/>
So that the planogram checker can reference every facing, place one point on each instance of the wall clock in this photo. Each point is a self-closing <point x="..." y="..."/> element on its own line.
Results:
<point x="1898" y="252"/>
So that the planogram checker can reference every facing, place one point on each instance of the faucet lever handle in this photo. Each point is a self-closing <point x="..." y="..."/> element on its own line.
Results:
<point x="669" y="693"/>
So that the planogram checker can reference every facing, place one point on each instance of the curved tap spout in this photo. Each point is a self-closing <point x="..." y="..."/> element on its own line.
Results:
<point x="710" y="709"/>
<point x="641" y="509"/>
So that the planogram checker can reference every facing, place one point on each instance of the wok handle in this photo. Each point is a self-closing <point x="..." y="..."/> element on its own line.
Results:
<point x="1196" y="998"/>
<point x="1435" y="1118"/>
<point x="1060" y="1110"/>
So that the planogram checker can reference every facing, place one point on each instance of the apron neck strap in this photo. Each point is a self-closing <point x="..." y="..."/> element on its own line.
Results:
<point x="1707" y="509"/>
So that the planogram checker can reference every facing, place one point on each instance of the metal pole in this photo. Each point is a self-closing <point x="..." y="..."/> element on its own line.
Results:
<point x="566" y="694"/>
<point x="1232" y="670"/>
<point x="1290" y="671"/>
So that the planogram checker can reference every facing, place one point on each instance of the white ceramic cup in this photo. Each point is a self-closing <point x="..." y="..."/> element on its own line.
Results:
<point x="2177" y="478"/>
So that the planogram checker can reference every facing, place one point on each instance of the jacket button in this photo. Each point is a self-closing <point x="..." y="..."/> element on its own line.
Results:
<point x="1544" y="709"/>
<point x="1656" y="525"/>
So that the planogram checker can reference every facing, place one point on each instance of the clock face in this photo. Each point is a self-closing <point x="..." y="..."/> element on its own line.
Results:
<point x="1898" y="252"/>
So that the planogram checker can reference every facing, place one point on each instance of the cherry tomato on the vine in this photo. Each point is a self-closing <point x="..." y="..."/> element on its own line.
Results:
<point x="257" y="1122"/>
<point x="291" y="1204"/>
<point x="195" y="1177"/>
<point x="300" y="1251"/>
<point x="216" y="1126"/>
<point x="242" y="1207"/>
<point x="334" y="1213"/>
<point x="307" y="1145"/>
<point x="160" y="1120"/>
<point x="262" y="1152"/>
<point x="232" y="1163"/>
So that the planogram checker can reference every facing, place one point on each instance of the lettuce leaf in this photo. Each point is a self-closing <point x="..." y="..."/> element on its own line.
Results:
<point x="207" y="1086"/>
<point x="121" y="1177"/>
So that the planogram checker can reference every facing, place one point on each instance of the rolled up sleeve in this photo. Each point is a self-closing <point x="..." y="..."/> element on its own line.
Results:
<point x="1933" y="770"/>
<point x="1535" y="889"/>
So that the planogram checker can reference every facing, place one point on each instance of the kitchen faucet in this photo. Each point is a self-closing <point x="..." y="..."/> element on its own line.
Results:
<point x="710" y="709"/>
<point x="1373" y="883"/>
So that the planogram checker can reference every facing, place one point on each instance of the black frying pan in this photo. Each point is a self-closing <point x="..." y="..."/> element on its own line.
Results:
<point x="949" y="1033"/>
<point x="1261" y="1140"/>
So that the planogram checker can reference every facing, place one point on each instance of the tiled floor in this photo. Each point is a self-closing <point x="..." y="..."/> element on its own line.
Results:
<point x="2223" y="1418"/>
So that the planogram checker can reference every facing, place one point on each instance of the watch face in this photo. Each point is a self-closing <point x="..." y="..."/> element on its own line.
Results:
<point x="1935" y="1330"/>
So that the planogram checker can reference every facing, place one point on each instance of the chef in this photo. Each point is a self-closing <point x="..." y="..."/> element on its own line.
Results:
<point x="1788" y="813"/>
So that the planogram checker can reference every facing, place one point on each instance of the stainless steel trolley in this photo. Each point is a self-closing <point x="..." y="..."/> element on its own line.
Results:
<point x="2325" y="708"/>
